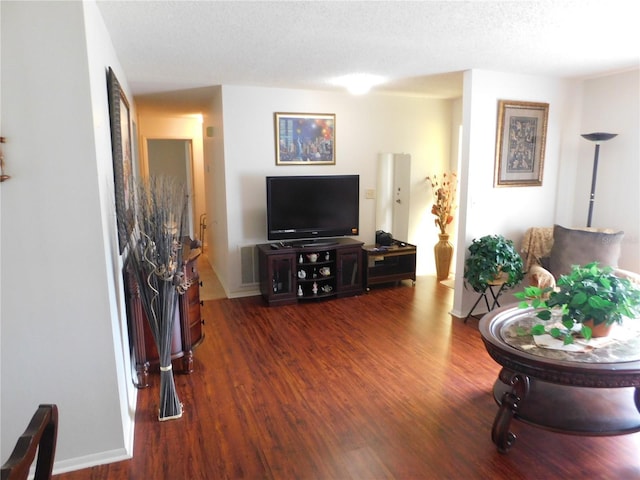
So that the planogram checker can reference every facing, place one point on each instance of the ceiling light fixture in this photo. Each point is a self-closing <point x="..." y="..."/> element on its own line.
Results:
<point x="358" y="83"/>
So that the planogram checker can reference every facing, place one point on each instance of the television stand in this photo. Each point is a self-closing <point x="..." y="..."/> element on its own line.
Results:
<point x="320" y="242"/>
<point x="311" y="270"/>
<point x="315" y="244"/>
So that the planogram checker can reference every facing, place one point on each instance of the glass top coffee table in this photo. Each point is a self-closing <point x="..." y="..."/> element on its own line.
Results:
<point x="595" y="391"/>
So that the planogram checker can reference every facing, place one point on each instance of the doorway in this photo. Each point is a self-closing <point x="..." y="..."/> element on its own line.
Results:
<point x="174" y="158"/>
<point x="393" y="194"/>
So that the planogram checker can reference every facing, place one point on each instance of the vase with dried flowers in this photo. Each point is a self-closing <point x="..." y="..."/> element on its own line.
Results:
<point x="155" y="258"/>
<point x="444" y="191"/>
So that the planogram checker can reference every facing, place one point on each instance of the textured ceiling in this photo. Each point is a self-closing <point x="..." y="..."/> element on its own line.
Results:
<point x="420" y="47"/>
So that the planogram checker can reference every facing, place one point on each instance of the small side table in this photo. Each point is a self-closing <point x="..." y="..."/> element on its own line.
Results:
<point x="393" y="263"/>
<point x="489" y="290"/>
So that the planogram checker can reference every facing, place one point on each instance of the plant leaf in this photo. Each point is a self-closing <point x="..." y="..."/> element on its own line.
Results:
<point x="538" y="303"/>
<point x="538" y="329"/>
<point x="578" y="299"/>
<point x="544" y="315"/>
<point x="521" y="331"/>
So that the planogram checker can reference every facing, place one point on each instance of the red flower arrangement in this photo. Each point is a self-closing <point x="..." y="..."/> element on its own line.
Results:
<point x="444" y="190"/>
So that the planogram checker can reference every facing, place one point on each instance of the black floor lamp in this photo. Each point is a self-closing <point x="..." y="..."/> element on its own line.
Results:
<point x="597" y="137"/>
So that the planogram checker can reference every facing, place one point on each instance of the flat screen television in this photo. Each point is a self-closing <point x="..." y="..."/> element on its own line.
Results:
<point x="308" y="207"/>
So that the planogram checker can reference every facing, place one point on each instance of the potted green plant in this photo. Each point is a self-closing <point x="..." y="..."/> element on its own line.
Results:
<point x="590" y="299"/>
<point x="493" y="260"/>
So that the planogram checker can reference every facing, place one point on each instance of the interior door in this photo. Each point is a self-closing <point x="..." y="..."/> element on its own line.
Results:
<point x="393" y="194"/>
<point x="173" y="158"/>
<point x="401" y="195"/>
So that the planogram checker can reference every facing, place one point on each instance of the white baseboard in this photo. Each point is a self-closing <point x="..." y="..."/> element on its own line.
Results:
<point x="93" y="460"/>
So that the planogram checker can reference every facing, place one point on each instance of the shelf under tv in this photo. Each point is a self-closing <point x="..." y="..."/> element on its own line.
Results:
<point x="315" y="243"/>
<point x="304" y="244"/>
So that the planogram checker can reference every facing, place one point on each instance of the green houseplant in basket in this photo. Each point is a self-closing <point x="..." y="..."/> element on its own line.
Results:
<point x="492" y="260"/>
<point x="590" y="299"/>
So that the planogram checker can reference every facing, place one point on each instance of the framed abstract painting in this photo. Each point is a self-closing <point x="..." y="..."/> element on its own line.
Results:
<point x="305" y="138"/>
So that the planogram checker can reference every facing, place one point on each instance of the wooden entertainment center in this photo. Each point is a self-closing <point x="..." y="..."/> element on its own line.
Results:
<point x="341" y="267"/>
<point x="292" y="272"/>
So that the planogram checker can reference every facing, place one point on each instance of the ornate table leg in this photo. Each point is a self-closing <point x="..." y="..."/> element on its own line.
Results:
<point x="500" y="434"/>
<point x="187" y="362"/>
<point x="142" y="372"/>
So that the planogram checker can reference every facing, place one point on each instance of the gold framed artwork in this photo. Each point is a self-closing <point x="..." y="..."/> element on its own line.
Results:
<point x="122" y="157"/>
<point x="305" y="138"/>
<point x="520" y="143"/>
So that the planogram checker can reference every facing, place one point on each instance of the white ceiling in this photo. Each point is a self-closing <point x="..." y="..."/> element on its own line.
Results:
<point x="172" y="51"/>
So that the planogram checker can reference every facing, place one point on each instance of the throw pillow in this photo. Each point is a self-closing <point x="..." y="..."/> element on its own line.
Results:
<point x="579" y="247"/>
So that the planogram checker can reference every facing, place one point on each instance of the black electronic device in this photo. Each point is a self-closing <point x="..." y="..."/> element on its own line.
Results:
<point x="384" y="238"/>
<point x="308" y="207"/>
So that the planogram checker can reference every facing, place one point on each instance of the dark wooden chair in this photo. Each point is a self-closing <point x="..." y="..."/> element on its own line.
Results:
<point x="40" y="436"/>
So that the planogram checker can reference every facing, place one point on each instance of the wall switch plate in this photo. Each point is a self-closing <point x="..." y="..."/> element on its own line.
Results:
<point x="370" y="193"/>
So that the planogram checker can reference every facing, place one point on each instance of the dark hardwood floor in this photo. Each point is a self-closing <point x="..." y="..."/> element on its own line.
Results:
<point x="386" y="385"/>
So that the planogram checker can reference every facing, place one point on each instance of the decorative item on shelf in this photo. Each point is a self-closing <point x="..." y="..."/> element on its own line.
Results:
<point x="588" y="301"/>
<point x="327" y="256"/>
<point x="314" y="289"/>
<point x="326" y="288"/>
<point x="444" y="190"/>
<point x="300" y="290"/>
<point x="300" y="260"/>
<point x="302" y="274"/>
<point x="598" y="138"/>
<point x="325" y="271"/>
<point x="312" y="257"/>
<point x="3" y="177"/>
<point x="155" y="258"/>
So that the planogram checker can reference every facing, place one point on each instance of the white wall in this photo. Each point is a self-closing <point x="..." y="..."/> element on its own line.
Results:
<point x="61" y="314"/>
<point x="101" y="54"/>
<point x="365" y="126"/>
<point x="611" y="104"/>
<point x="216" y="190"/>
<point x="608" y="103"/>
<point x="483" y="209"/>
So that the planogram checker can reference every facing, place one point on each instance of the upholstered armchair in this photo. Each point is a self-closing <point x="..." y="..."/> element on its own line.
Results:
<point x="549" y="252"/>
